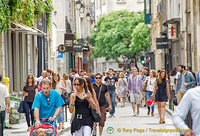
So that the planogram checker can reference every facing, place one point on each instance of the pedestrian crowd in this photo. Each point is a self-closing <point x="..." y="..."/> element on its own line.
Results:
<point x="90" y="96"/>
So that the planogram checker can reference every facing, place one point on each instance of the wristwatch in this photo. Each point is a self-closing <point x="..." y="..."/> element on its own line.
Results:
<point x="54" y="117"/>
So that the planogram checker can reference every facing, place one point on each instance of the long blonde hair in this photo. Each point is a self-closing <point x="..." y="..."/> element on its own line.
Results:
<point x="159" y="76"/>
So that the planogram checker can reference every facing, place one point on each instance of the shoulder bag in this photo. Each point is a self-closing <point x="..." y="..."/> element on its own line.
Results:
<point x="145" y="85"/>
<point x="95" y="115"/>
<point x="21" y="108"/>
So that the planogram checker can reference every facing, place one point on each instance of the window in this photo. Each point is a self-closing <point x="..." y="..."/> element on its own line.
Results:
<point x="121" y="1"/>
<point x="140" y="1"/>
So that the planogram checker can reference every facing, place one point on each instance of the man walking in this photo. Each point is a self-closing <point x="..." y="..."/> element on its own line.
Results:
<point x="134" y="88"/>
<point x="4" y="97"/>
<point x="111" y="81"/>
<point x="102" y="95"/>
<point x="185" y="81"/>
<point x="189" y="103"/>
<point x="47" y="104"/>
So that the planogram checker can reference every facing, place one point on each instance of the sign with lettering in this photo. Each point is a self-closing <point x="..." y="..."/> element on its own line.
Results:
<point x="69" y="38"/>
<point x="86" y="48"/>
<point x="162" y="43"/>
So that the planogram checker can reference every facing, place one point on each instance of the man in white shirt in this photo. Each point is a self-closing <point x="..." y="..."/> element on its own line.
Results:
<point x="190" y="102"/>
<point x="4" y="96"/>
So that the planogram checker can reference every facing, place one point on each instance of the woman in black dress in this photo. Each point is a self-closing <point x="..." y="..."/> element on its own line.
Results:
<point x="81" y="101"/>
<point x="162" y="94"/>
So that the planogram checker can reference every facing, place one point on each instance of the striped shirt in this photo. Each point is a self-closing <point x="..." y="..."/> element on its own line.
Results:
<point x="135" y="84"/>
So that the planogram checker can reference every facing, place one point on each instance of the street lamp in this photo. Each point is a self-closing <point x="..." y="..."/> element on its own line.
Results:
<point x="95" y="28"/>
<point x="88" y="16"/>
<point x="78" y="4"/>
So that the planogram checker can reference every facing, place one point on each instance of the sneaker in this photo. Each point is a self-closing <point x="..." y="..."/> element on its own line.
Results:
<point x="113" y="115"/>
<point x="110" y="116"/>
<point x="134" y="114"/>
<point x="138" y="112"/>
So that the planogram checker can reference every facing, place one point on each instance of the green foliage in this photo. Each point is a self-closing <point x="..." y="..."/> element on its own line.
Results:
<point x="48" y="9"/>
<point x="140" y="38"/>
<point x="114" y="36"/>
<point x="28" y="12"/>
<point x="4" y="14"/>
<point x="16" y="9"/>
<point x="39" y="7"/>
<point x="24" y="11"/>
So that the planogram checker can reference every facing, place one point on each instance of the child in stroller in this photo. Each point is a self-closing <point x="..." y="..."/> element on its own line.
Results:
<point x="41" y="132"/>
<point x="44" y="130"/>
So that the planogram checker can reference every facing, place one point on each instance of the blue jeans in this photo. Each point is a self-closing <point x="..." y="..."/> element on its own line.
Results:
<point x="60" y="117"/>
<point x="112" y="97"/>
<point x="148" y="96"/>
<point x="28" y="109"/>
<point x="2" y="121"/>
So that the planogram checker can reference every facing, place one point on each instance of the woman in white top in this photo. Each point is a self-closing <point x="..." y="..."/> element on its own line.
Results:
<point x="68" y="84"/>
<point x="121" y="88"/>
<point x="59" y="86"/>
<point x="150" y="81"/>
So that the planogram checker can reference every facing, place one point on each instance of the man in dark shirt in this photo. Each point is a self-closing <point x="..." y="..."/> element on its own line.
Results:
<point x="102" y="95"/>
<point x="111" y="81"/>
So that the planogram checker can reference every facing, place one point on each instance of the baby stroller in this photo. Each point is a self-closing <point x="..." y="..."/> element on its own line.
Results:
<point x="49" y="129"/>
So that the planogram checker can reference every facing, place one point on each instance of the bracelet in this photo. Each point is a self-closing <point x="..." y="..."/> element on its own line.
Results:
<point x="72" y="104"/>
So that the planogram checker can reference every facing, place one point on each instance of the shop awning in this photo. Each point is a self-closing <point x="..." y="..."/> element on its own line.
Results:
<point x="25" y="29"/>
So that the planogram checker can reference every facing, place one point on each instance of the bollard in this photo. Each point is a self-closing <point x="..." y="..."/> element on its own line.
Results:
<point x="0" y="121"/>
<point x="7" y="83"/>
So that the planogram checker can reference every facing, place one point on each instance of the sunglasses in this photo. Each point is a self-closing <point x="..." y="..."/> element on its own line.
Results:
<point x="98" y="77"/>
<point x="77" y="84"/>
<point x="30" y="77"/>
<point x="48" y="100"/>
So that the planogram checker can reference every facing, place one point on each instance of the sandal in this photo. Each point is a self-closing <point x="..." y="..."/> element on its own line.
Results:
<point x="29" y="128"/>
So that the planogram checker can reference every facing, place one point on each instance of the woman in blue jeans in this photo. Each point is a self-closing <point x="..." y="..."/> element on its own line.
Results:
<point x="150" y="81"/>
<point x="29" y="91"/>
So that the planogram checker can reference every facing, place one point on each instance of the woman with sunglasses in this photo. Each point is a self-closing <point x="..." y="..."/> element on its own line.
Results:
<point x="162" y="94"/>
<point x="29" y="91"/>
<point x="150" y="84"/>
<point x="59" y="86"/>
<point x="82" y="101"/>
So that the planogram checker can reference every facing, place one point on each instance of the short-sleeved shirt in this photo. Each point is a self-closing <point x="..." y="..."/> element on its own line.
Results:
<point x="111" y="82"/>
<point x="47" y="110"/>
<point x="102" y="98"/>
<point x="3" y="95"/>
<point x="31" y="93"/>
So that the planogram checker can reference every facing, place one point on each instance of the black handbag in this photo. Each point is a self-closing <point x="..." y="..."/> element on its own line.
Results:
<point x="66" y="98"/>
<point x="21" y="108"/>
<point x="95" y="115"/>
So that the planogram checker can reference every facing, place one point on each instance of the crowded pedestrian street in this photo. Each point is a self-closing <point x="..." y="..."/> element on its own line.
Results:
<point x="99" y="67"/>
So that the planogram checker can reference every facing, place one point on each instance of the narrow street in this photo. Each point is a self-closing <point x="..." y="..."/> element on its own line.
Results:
<point x="124" y="124"/>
